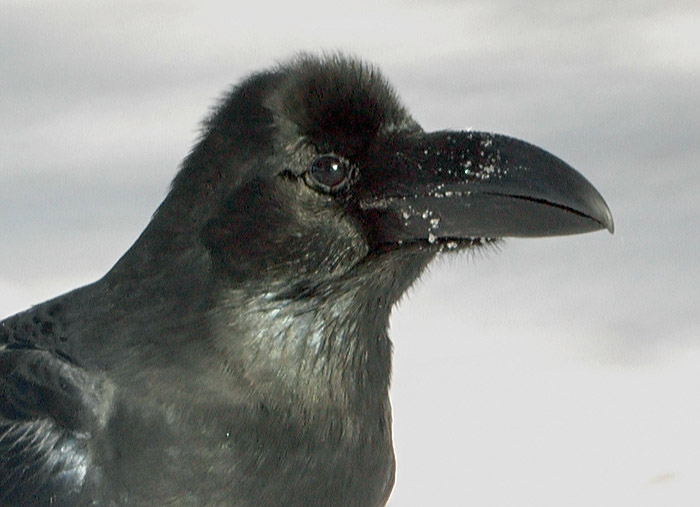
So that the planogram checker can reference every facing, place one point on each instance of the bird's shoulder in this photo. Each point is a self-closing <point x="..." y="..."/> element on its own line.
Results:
<point x="50" y="408"/>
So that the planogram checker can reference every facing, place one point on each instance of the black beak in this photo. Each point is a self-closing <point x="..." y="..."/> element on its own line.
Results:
<point x="458" y="185"/>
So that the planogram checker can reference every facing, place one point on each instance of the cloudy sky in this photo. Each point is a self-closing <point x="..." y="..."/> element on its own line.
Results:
<point x="551" y="372"/>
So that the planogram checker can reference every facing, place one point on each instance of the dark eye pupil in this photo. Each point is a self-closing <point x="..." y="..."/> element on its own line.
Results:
<point x="329" y="172"/>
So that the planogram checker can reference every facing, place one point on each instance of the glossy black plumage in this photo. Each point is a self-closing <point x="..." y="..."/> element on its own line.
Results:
<point x="238" y="354"/>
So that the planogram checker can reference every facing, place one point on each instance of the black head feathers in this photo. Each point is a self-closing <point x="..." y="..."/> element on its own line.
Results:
<point x="339" y="103"/>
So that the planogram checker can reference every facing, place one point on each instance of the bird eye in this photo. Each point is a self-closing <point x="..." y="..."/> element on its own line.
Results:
<point x="328" y="173"/>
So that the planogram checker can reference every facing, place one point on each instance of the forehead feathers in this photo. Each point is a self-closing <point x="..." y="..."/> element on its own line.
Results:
<point x="338" y="102"/>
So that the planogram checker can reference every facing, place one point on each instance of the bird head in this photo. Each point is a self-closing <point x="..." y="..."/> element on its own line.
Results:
<point x="314" y="168"/>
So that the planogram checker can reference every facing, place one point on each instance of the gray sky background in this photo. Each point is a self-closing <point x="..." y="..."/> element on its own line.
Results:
<point x="551" y="372"/>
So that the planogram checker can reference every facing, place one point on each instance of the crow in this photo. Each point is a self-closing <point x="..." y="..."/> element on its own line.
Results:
<point x="237" y="354"/>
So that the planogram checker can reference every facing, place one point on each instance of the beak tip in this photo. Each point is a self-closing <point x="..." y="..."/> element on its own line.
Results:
<point x="610" y="225"/>
<point x="604" y="215"/>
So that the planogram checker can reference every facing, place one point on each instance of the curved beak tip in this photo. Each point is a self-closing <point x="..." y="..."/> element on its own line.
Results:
<point x="597" y="209"/>
<point x="609" y="223"/>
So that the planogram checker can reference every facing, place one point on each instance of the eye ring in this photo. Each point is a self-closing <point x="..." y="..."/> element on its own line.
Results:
<point x="328" y="173"/>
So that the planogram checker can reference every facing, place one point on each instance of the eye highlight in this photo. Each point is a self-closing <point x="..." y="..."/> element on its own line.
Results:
<point x="328" y="173"/>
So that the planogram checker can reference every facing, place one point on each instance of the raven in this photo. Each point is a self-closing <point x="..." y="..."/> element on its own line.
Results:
<point x="237" y="354"/>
